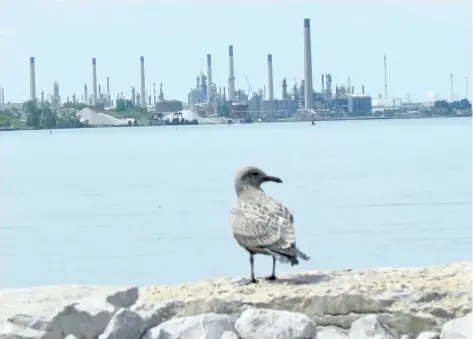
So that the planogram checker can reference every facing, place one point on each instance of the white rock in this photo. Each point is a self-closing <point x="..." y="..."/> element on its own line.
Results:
<point x="369" y="327"/>
<point x="125" y="324"/>
<point x="428" y="335"/>
<point x="86" y="319"/>
<point x="71" y="336"/>
<point x="12" y="331"/>
<point x="331" y="332"/>
<point x="205" y="326"/>
<point x="229" y="335"/>
<point x="459" y="328"/>
<point x="266" y="324"/>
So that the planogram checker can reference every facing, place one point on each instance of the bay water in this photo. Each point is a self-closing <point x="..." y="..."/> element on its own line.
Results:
<point x="150" y="205"/>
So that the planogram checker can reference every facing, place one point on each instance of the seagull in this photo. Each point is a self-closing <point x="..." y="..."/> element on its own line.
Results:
<point x="260" y="224"/>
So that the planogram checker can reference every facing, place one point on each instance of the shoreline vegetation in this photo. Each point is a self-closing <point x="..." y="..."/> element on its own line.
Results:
<point x="37" y="116"/>
<point x="387" y="302"/>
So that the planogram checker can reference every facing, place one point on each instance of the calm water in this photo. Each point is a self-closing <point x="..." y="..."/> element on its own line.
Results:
<point x="150" y="205"/>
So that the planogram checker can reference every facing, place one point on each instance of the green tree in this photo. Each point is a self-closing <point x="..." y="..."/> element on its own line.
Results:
<point x="48" y="117"/>
<point x="123" y="105"/>
<point x="33" y="113"/>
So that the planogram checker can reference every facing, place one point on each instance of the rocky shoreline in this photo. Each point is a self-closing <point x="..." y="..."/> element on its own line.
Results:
<point x="430" y="302"/>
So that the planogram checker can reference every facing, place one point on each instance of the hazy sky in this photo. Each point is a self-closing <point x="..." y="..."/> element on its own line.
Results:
<point x="424" y="42"/>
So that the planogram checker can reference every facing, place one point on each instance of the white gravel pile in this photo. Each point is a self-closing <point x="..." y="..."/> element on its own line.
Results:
<point x="100" y="119"/>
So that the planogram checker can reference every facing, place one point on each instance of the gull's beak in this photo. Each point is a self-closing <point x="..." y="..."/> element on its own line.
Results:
<point x="273" y="179"/>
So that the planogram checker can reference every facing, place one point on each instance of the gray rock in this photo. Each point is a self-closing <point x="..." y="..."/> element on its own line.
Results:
<point x="123" y="298"/>
<point x="270" y="324"/>
<point x="151" y="318"/>
<point x="229" y="335"/>
<point x="428" y="335"/>
<point x="125" y="324"/>
<point x="205" y="326"/>
<point x="459" y="328"/>
<point x="331" y="332"/>
<point x="369" y="327"/>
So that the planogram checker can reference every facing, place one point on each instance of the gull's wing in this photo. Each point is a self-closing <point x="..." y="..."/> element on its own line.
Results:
<point x="260" y="221"/>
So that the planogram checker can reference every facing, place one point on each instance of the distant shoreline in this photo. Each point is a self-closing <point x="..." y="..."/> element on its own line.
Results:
<point x="316" y="119"/>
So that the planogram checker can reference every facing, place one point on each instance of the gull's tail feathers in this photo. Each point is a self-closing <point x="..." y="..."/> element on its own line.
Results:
<point x="287" y="255"/>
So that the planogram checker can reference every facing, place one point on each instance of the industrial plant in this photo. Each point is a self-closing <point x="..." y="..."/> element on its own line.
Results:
<point x="206" y="104"/>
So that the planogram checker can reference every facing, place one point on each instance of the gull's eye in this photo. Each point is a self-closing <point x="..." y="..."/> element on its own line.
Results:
<point x="254" y="174"/>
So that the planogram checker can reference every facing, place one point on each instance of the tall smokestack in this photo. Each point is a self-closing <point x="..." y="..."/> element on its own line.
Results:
<point x="323" y="84"/>
<point x="86" y="98"/>
<point x="32" y="80"/>
<point x="209" y="79"/>
<point x="3" y="95"/>
<point x="363" y="89"/>
<point x="385" y="79"/>
<point x="143" y="94"/>
<point x="270" y="77"/>
<point x="231" y="78"/>
<point x="94" y="82"/>
<point x="308" y="88"/>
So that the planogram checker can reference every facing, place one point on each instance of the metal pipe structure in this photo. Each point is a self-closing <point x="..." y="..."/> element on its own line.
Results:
<point x="231" y="78"/>
<point x="94" y="82"/>
<point x="270" y="77"/>
<point x="209" y="80"/>
<point x="143" y="94"/>
<point x="32" y="79"/>
<point x="308" y="88"/>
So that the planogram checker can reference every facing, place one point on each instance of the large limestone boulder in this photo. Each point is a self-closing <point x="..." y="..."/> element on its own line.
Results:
<point x="205" y="326"/>
<point x="266" y="324"/>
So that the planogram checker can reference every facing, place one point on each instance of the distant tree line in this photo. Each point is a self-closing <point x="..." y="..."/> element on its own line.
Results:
<point x="459" y="105"/>
<point x="123" y="105"/>
<point x="39" y="116"/>
<point x="75" y="105"/>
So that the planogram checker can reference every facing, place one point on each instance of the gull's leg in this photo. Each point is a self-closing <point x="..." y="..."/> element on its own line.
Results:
<point x="273" y="275"/>
<point x="252" y="264"/>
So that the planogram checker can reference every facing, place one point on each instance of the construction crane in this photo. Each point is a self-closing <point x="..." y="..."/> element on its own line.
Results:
<point x="249" y="85"/>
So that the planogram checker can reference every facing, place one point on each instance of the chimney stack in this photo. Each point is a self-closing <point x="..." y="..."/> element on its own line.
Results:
<point x="270" y="77"/>
<point x="143" y="94"/>
<point x="308" y="88"/>
<point x="86" y="98"/>
<point x="32" y="80"/>
<point x="209" y="79"/>
<point x="94" y="82"/>
<point x="231" y="79"/>
<point x="363" y="89"/>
